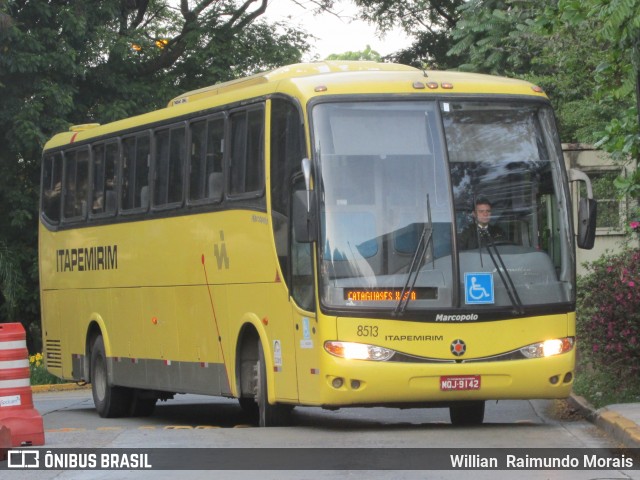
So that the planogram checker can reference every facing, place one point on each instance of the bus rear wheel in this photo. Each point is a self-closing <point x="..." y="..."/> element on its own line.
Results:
<point x="110" y="401"/>
<point x="268" y="415"/>
<point x="467" y="413"/>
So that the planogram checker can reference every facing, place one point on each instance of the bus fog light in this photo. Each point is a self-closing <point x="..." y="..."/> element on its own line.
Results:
<point x="355" y="384"/>
<point x="568" y="377"/>
<point x="554" y="380"/>
<point x="548" y="348"/>
<point x="358" y="351"/>
<point x="337" y="382"/>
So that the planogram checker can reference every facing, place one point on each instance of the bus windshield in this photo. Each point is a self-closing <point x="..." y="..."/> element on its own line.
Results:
<point x="399" y="184"/>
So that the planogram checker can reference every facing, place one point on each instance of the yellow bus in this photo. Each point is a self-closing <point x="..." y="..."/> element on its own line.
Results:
<point x="293" y="238"/>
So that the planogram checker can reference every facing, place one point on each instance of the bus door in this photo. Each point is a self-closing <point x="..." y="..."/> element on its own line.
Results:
<point x="307" y="345"/>
<point x="305" y="322"/>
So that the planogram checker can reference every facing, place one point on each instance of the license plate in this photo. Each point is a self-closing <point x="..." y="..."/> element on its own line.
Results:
<point x="460" y="382"/>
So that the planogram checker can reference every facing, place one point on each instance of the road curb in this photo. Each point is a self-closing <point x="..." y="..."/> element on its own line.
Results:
<point x="583" y="407"/>
<point x="59" y="387"/>
<point x="617" y="426"/>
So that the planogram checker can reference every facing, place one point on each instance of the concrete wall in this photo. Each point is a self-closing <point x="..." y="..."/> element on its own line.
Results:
<point x="592" y="161"/>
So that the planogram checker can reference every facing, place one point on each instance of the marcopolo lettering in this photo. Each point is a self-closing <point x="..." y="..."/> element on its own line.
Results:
<point x="87" y="259"/>
<point x="457" y="318"/>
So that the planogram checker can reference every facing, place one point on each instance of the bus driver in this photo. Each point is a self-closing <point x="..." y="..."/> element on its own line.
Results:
<point x="472" y="236"/>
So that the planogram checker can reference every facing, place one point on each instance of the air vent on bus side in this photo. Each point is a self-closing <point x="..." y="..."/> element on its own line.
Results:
<point x="53" y="354"/>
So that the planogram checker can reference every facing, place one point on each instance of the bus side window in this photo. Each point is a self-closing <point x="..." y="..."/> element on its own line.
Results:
<point x="246" y="156"/>
<point x="302" y="280"/>
<point x="105" y="161"/>
<point x="169" y="157"/>
<point x="206" y="177"/>
<point x="112" y="156"/>
<point x="142" y="171"/>
<point x="287" y="151"/>
<point x="162" y="158"/>
<point x="52" y="187"/>
<point x="302" y="285"/>
<point x="97" y="183"/>
<point x="135" y="172"/>
<point x="128" y="171"/>
<point x="76" y="184"/>
<point x="214" y="159"/>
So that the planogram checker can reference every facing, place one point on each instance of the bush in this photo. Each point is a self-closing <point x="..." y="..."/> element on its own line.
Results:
<point x="39" y="374"/>
<point x="608" y="329"/>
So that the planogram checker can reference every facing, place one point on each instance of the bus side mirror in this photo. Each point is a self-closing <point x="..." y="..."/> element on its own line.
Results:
<point x="304" y="216"/>
<point x="587" y="211"/>
<point x="587" y="223"/>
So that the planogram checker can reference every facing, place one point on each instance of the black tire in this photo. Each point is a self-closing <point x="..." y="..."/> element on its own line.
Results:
<point x="143" y="404"/>
<point x="110" y="401"/>
<point x="467" y="413"/>
<point x="250" y="407"/>
<point x="269" y="415"/>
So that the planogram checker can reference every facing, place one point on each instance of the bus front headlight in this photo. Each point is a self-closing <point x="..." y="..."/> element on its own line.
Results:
<point x="358" y="351"/>
<point x="548" y="348"/>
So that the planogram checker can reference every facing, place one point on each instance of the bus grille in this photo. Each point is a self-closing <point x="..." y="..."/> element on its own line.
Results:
<point x="53" y="354"/>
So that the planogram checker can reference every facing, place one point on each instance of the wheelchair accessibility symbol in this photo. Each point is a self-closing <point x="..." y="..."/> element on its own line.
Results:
<point x="478" y="288"/>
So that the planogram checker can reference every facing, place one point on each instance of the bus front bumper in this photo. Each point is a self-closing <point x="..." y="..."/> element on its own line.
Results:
<point x="357" y="382"/>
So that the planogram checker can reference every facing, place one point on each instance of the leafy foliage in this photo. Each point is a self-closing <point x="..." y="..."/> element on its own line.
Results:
<point x="518" y="38"/>
<point x="68" y="62"/>
<point x="366" y="54"/>
<point x="526" y="39"/>
<point x="38" y="374"/>
<point x="608" y="323"/>
<point x="429" y="21"/>
<point x="9" y="276"/>
<point x="617" y="75"/>
<point x="490" y="34"/>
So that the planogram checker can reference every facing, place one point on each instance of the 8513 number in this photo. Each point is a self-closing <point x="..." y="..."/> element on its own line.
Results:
<point x="367" y="331"/>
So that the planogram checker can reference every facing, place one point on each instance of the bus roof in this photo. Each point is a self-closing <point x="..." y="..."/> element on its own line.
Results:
<point x="298" y="70"/>
<point x="307" y="80"/>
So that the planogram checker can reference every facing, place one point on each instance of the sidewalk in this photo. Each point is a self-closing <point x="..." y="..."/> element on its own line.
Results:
<point x="620" y="421"/>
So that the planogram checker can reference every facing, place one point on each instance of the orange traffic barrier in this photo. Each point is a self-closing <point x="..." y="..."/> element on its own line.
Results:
<point x="5" y="442"/>
<point x="17" y="413"/>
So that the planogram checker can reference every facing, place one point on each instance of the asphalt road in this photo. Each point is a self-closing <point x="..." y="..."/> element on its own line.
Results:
<point x="195" y="422"/>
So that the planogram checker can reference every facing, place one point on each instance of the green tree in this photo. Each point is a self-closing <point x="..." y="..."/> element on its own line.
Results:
<point x="9" y="276"/>
<point x="584" y="53"/>
<point x="530" y="40"/>
<point x="495" y="36"/>
<point x="617" y="76"/>
<point x="66" y="62"/>
<point x="430" y="22"/>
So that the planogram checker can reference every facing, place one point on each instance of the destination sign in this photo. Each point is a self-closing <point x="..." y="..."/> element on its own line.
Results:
<point x="389" y="294"/>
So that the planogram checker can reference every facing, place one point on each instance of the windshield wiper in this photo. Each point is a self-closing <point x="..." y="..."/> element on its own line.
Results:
<point x="505" y="276"/>
<point x="426" y="239"/>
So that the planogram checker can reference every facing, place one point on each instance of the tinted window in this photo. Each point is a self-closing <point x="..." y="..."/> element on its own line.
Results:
<point x="135" y="172"/>
<point x="287" y="152"/>
<point x="52" y="186"/>
<point x="76" y="184"/>
<point x="206" y="177"/>
<point x="246" y="158"/>
<point x="105" y="163"/>
<point x="170" y="157"/>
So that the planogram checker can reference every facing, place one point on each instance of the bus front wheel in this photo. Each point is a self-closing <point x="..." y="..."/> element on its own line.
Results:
<point x="471" y="413"/>
<point x="110" y="401"/>
<point x="268" y="415"/>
